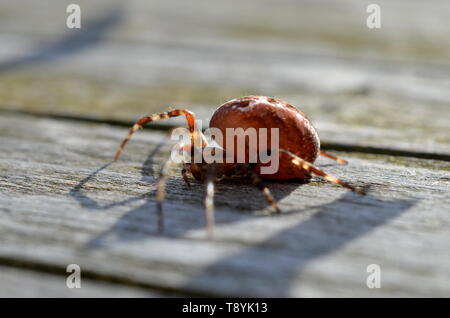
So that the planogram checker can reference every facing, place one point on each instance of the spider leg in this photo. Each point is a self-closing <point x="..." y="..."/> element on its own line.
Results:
<point x="257" y="181"/>
<point x="340" y="160"/>
<point x="311" y="168"/>
<point x="209" y="199"/>
<point x="161" y="193"/>
<point x="190" y="118"/>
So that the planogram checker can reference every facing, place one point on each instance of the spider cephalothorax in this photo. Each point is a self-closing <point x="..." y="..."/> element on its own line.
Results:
<point x="297" y="147"/>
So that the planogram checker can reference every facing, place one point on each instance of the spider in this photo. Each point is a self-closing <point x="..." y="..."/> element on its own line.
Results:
<point x="299" y="146"/>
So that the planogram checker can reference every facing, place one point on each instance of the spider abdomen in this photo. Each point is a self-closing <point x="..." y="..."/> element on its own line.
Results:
<point x="296" y="132"/>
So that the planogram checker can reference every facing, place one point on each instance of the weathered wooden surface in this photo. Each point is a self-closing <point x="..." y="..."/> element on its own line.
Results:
<point x="387" y="88"/>
<point x="61" y="204"/>
<point x="382" y="95"/>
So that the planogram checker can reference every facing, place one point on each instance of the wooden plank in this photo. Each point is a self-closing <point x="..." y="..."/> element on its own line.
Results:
<point x="23" y="283"/>
<point x="60" y="204"/>
<point x="386" y="88"/>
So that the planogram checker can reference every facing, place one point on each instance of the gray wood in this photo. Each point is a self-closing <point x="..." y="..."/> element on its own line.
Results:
<point x="60" y="203"/>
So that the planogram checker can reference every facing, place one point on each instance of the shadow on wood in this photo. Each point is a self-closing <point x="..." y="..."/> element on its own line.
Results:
<point x="140" y="212"/>
<point x="145" y="212"/>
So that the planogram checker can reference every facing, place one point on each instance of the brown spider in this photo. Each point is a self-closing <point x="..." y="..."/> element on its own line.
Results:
<point x="298" y="148"/>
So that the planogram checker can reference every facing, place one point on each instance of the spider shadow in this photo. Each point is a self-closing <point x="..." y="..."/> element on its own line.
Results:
<point x="248" y="199"/>
<point x="278" y="261"/>
<point x="140" y="222"/>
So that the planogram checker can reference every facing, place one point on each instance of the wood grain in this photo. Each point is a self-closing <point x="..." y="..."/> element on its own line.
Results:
<point x="19" y="283"/>
<point x="62" y="203"/>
